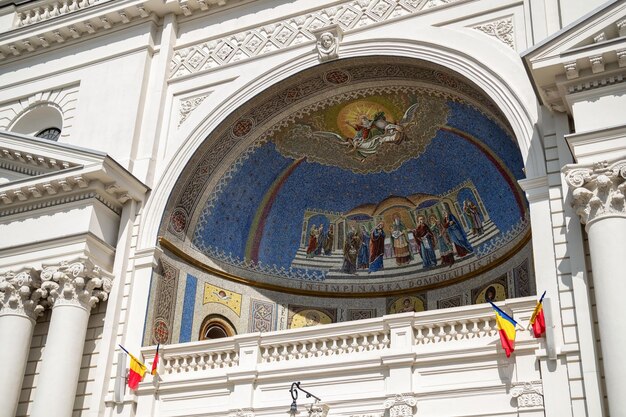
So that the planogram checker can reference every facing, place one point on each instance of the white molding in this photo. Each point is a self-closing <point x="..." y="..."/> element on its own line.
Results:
<point x="438" y="45"/>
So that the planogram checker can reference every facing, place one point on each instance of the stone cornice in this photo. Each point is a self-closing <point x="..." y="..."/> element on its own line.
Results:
<point x="43" y="24"/>
<point x="67" y="27"/>
<point x="597" y="189"/>
<point x="72" y="174"/>
<point x="588" y="55"/>
<point x="30" y="163"/>
<point x="78" y="282"/>
<point x="21" y="293"/>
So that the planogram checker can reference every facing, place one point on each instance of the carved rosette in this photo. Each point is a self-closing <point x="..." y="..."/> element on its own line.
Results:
<point x="77" y="282"/>
<point x="21" y="293"/>
<point x="598" y="190"/>
<point x="401" y="405"/>
<point x="528" y="394"/>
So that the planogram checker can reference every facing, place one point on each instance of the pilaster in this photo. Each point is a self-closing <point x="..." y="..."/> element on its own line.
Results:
<point x="597" y="192"/>
<point x="72" y="289"/>
<point x="21" y="299"/>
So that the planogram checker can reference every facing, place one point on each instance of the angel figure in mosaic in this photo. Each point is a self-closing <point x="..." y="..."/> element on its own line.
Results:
<point x="372" y="133"/>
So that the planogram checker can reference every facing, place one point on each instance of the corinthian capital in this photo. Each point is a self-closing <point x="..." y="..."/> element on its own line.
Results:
<point x="77" y="282"/>
<point x="20" y="293"/>
<point x="598" y="190"/>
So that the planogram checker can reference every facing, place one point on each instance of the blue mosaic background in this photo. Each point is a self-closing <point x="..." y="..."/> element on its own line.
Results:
<point x="448" y="161"/>
<point x="189" y="302"/>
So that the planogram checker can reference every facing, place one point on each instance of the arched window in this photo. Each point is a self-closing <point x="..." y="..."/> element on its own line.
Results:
<point x="216" y="327"/>
<point x="50" y="133"/>
<point x="43" y="120"/>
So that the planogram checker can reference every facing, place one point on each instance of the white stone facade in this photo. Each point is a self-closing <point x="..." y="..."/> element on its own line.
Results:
<point x="136" y="86"/>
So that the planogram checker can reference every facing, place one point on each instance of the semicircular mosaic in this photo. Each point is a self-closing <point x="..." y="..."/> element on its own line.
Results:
<point x="362" y="176"/>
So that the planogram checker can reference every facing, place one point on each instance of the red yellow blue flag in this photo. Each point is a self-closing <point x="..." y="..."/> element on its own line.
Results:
<point x="155" y="362"/>
<point x="136" y="370"/>
<point x="506" y="328"/>
<point x="538" y="320"/>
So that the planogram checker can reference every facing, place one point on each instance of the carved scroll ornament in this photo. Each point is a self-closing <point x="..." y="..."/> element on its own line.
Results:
<point x="597" y="191"/>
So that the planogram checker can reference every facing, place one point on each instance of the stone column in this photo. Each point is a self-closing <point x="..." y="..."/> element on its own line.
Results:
<point x="20" y="305"/>
<point x="598" y="198"/>
<point x="73" y="288"/>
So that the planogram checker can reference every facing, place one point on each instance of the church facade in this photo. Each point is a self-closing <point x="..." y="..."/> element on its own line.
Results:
<point x="324" y="192"/>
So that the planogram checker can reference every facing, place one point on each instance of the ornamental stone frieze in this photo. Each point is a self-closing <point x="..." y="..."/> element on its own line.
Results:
<point x="597" y="190"/>
<point x="401" y="406"/>
<point x="21" y="293"/>
<point x="77" y="282"/>
<point x="528" y="394"/>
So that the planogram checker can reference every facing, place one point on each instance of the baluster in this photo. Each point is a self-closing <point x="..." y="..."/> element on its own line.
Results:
<point x="285" y="353"/>
<point x="374" y="343"/>
<point x="386" y="341"/>
<point x="430" y="336"/>
<point x="302" y="353"/>
<point x="354" y="345"/>
<point x="27" y="17"/>
<point x="46" y="12"/>
<point x="464" y="331"/>
<point x="55" y="9"/>
<point x="193" y="365"/>
<point x="176" y="365"/>
<point x="452" y="333"/>
<point x="210" y="363"/>
<point x="324" y="349"/>
<point x="442" y="333"/>
<point x="202" y="362"/>
<point x="334" y="348"/>
<point x="344" y="345"/>
<point x="475" y="330"/>
<point x="168" y="365"/>
<point x="313" y="351"/>
<point x="275" y="354"/>
<point x="235" y="361"/>
<point x="228" y="360"/>
<point x="293" y="353"/>
<point x="419" y="337"/>
<point x="218" y="360"/>
<point x="486" y="330"/>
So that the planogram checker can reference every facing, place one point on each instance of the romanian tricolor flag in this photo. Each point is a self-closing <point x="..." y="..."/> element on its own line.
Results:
<point x="155" y="362"/>
<point x="506" y="327"/>
<point x="537" y="320"/>
<point x="136" y="372"/>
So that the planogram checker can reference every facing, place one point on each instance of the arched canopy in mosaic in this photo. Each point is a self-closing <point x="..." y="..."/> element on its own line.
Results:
<point x="364" y="176"/>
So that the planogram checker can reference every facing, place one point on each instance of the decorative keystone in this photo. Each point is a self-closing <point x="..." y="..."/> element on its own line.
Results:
<point x="328" y="40"/>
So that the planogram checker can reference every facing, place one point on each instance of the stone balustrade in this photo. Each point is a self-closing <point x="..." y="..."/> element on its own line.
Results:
<point x="200" y="357"/>
<point x="455" y="329"/>
<point x="399" y="362"/>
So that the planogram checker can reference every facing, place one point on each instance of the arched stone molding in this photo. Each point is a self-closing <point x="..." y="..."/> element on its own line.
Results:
<point x="62" y="100"/>
<point x="491" y="66"/>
